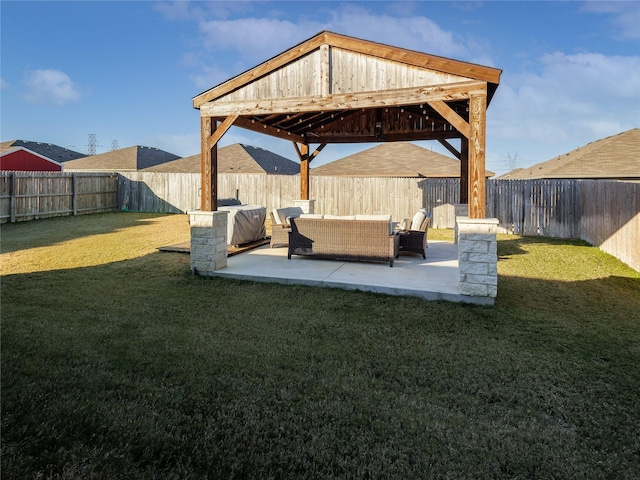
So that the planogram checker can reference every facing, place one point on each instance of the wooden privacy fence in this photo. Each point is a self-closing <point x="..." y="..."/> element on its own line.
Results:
<point x="180" y="192"/>
<point x="31" y="195"/>
<point x="603" y="213"/>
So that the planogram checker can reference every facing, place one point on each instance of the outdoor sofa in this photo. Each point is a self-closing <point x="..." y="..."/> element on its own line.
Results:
<point x="363" y="238"/>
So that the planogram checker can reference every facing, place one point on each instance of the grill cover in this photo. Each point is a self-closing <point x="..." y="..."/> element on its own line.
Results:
<point x="245" y="223"/>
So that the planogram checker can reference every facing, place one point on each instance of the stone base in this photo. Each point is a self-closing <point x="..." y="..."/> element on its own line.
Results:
<point x="308" y="206"/>
<point x="461" y="210"/>
<point x="208" y="241"/>
<point x="478" y="256"/>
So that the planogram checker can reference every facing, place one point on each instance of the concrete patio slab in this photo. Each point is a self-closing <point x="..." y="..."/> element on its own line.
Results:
<point x="435" y="278"/>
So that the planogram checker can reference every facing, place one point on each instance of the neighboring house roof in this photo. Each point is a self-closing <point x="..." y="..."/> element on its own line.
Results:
<point x="398" y="159"/>
<point x="615" y="157"/>
<point x="48" y="150"/>
<point x="20" y="159"/>
<point x="236" y="158"/>
<point x="125" y="159"/>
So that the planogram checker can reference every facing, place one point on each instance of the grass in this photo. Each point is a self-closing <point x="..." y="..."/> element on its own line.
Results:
<point x="118" y="363"/>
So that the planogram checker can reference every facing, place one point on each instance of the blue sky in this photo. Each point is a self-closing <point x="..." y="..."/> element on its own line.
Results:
<point x="127" y="71"/>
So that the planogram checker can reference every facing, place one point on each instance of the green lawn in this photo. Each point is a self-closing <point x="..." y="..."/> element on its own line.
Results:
<point x="118" y="363"/>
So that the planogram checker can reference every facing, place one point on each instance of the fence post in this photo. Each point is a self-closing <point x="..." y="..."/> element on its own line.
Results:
<point x="74" y="194"/>
<point x="12" y="198"/>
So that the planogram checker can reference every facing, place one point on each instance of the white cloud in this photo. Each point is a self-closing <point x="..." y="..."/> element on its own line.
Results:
<point x="208" y="77"/>
<point x="178" y="10"/>
<point x="413" y="32"/>
<point x="50" y="87"/>
<point x="194" y="10"/>
<point x="625" y="17"/>
<point x="260" y="38"/>
<point x="254" y="38"/>
<point x="3" y="84"/>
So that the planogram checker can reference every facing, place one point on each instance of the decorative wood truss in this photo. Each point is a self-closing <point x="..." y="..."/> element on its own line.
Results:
<point x="338" y="89"/>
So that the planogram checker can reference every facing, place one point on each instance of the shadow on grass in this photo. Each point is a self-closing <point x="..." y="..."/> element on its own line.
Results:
<point x="139" y="369"/>
<point x="51" y="231"/>
<point x="509" y="245"/>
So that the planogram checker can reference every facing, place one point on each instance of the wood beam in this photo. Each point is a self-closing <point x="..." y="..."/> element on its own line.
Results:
<point x="464" y="170"/>
<point x="303" y="154"/>
<point x="316" y="152"/>
<point x="346" y="101"/>
<point x="477" y="177"/>
<point x="222" y="129"/>
<point x="451" y="116"/>
<point x="210" y="134"/>
<point x="208" y="166"/>
<point x="450" y="147"/>
<point x="386" y="137"/>
<point x="297" y="148"/>
<point x="257" y="127"/>
<point x="325" y="70"/>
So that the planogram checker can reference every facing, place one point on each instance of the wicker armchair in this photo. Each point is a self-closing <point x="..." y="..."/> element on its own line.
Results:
<point x="414" y="239"/>
<point x="279" y="232"/>
<point x="280" y="227"/>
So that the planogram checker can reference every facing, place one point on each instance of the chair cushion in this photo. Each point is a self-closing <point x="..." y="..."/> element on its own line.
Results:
<point x="310" y="215"/>
<point x="418" y="218"/>
<point x="281" y="214"/>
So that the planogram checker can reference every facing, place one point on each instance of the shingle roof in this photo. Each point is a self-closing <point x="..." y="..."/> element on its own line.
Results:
<point x="398" y="159"/>
<point x="125" y="159"/>
<point x="236" y="158"/>
<point x="615" y="157"/>
<point x="49" y="150"/>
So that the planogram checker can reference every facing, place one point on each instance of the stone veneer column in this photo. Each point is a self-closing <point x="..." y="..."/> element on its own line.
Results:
<point x="478" y="256"/>
<point x="460" y="210"/>
<point x="208" y="241"/>
<point x="307" y="206"/>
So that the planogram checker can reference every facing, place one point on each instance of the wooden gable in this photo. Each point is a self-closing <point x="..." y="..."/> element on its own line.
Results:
<point x="329" y="63"/>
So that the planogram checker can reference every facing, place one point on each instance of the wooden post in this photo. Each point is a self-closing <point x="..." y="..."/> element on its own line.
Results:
<point x="208" y="166"/>
<point x="477" y="140"/>
<point x="304" y="172"/>
<point x="464" y="170"/>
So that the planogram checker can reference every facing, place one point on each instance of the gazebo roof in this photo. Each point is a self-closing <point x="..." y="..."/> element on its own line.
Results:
<point x="334" y="88"/>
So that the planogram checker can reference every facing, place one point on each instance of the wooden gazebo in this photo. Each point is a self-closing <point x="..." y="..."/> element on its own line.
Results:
<point x="333" y="88"/>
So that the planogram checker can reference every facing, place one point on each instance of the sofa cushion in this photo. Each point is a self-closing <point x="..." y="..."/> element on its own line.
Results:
<point x="310" y="215"/>
<point x="340" y="217"/>
<point x="374" y="217"/>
